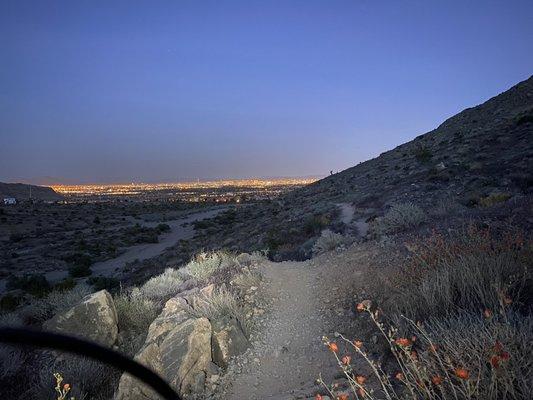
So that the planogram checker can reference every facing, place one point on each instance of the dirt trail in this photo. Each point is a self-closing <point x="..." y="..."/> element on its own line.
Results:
<point x="289" y="355"/>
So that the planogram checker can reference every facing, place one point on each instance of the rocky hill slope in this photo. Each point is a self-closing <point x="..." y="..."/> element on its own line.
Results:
<point x="22" y="191"/>
<point x="483" y="152"/>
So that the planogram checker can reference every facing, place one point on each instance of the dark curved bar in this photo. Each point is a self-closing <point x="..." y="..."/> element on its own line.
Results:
<point x="19" y="336"/>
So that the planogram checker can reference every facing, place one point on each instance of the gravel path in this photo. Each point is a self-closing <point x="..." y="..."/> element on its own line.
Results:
<point x="289" y="355"/>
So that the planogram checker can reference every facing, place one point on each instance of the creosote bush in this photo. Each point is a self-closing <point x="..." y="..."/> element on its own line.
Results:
<point x="398" y="218"/>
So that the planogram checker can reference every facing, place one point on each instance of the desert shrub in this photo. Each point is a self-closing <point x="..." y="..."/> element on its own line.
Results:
<point x="163" y="228"/>
<point x="524" y="119"/>
<point x="55" y="302"/>
<point x="315" y="224"/>
<point x="422" y="154"/>
<point x="246" y="279"/>
<point x="329" y="240"/>
<point x="65" y="284"/>
<point x="473" y="269"/>
<point x="398" y="217"/>
<point x="35" y="284"/>
<point x="218" y="305"/>
<point x="12" y="358"/>
<point x="463" y="357"/>
<point x="89" y="379"/>
<point x="135" y="314"/>
<point x="205" y="264"/>
<point x="104" y="282"/>
<point x="162" y="287"/>
<point x="493" y="199"/>
<point x="79" y="271"/>
<point x="9" y="302"/>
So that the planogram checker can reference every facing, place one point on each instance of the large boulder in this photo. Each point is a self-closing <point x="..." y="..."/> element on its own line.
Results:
<point x="178" y="348"/>
<point x="94" y="318"/>
<point x="228" y="340"/>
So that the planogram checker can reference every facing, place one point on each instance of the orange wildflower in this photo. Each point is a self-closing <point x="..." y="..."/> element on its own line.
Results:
<point x="413" y="338"/>
<point x="400" y="376"/>
<point x="360" y="307"/>
<point x="487" y="313"/>
<point x="346" y="360"/>
<point x="433" y="348"/>
<point x="495" y="361"/>
<point x="358" y="343"/>
<point x="437" y="379"/>
<point x="361" y="392"/>
<point x="333" y="347"/>
<point x="360" y="379"/>
<point x="342" y="397"/>
<point x="507" y="300"/>
<point x="318" y="397"/>
<point x="404" y="342"/>
<point x="462" y="373"/>
<point x="414" y="355"/>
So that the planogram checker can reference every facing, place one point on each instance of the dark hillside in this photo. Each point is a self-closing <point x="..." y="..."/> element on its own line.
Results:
<point x="22" y="192"/>
<point x="480" y="156"/>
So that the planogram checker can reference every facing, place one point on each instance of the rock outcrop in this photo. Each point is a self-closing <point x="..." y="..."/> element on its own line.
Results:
<point x="178" y="348"/>
<point x="95" y="319"/>
<point x="228" y="340"/>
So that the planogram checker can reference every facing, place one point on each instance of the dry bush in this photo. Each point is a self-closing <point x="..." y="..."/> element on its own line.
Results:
<point x="89" y="379"/>
<point x="12" y="358"/>
<point x="471" y="270"/>
<point x="465" y="357"/>
<point x="218" y="305"/>
<point x="398" y="218"/>
<point x="329" y="241"/>
<point x="135" y="314"/>
<point x="162" y="287"/>
<point x="246" y="279"/>
<point x="56" y="302"/>
<point x="205" y="264"/>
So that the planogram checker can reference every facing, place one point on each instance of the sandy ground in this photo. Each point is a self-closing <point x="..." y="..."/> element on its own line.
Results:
<point x="113" y="267"/>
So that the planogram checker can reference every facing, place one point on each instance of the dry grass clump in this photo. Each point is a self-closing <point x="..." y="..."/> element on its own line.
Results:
<point x="329" y="241"/>
<point x="398" y="217"/>
<point x="220" y="304"/>
<point x="494" y="199"/>
<point x="162" y="287"/>
<point x="205" y="264"/>
<point x="246" y="279"/>
<point x="135" y="314"/>
<point x="471" y="270"/>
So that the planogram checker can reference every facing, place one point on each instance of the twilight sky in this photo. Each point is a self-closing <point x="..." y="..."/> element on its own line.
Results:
<point x="105" y="91"/>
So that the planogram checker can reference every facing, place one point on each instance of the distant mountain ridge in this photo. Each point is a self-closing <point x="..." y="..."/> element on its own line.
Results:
<point x="21" y="191"/>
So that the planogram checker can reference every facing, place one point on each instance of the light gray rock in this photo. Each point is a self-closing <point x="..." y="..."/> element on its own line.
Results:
<point x="95" y="319"/>
<point x="178" y="348"/>
<point x="228" y="340"/>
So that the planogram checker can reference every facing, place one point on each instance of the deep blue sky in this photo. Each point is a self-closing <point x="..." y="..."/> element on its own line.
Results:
<point x="167" y="90"/>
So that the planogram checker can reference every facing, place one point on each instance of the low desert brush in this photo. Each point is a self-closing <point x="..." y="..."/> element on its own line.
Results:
<point x="467" y="357"/>
<point x="205" y="264"/>
<point x="220" y="304"/>
<point x="468" y="270"/>
<point x="398" y="218"/>
<point x="162" y="287"/>
<point x="329" y="241"/>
